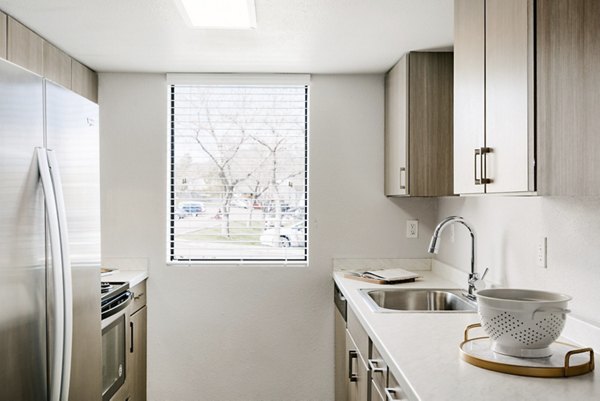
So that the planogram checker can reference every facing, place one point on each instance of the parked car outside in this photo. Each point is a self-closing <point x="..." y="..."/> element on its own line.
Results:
<point x="179" y="213"/>
<point x="293" y="235"/>
<point x="192" y="208"/>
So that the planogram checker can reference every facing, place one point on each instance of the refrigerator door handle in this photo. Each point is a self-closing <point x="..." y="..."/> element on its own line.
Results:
<point x="66" y="271"/>
<point x="58" y="310"/>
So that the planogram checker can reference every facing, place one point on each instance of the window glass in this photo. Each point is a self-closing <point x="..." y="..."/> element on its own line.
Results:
<point x="238" y="173"/>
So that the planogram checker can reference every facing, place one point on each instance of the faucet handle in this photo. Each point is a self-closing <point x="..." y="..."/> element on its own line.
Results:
<point x="478" y="282"/>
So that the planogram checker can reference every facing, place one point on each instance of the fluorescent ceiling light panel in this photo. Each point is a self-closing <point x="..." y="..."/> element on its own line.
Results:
<point x="219" y="14"/>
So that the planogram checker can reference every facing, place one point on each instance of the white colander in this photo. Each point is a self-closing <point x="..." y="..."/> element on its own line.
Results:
<point x="522" y="323"/>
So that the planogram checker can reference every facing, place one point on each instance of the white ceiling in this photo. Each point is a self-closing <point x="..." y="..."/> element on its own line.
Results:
<point x="308" y="36"/>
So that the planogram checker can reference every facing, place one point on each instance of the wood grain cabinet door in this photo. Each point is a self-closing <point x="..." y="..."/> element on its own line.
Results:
<point x="418" y="125"/>
<point x="509" y="77"/>
<point x="57" y="65"/>
<point x="469" y="94"/>
<point x="430" y="123"/>
<point x="2" y="35"/>
<point x="396" y="130"/>
<point x="25" y="47"/>
<point x="84" y="81"/>
<point x="568" y="97"/>
<point x="137" y="349"/>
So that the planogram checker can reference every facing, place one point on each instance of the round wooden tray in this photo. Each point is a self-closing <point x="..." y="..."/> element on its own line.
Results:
<point x="566" y="359"/>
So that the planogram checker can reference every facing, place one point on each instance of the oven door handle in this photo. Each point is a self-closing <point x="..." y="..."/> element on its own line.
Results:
<point x="128" y="296"/>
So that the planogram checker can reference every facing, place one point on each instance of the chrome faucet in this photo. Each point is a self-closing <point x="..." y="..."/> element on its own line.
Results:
<point x="474" y="280"/>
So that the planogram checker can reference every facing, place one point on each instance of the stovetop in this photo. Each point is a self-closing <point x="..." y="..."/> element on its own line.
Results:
<point x="110" y="290"/>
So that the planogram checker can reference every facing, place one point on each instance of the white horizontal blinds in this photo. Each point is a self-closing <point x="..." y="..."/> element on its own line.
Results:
<point x="238" y="173"/>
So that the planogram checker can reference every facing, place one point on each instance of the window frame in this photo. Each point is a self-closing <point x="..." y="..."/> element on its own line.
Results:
<point x="241" y="80"/>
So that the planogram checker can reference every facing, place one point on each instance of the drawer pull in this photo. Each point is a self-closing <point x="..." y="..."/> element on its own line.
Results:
<point x="352" y="355"/>
<point x="373" y="366"/>
<point x="141" y="294"/>
<point x="390" y="394"/>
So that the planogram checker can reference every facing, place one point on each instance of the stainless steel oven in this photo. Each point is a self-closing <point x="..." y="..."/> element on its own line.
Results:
<point x="115" y="321"/>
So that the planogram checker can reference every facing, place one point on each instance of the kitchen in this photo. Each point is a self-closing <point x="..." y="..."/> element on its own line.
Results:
<point x="224" y="331"/>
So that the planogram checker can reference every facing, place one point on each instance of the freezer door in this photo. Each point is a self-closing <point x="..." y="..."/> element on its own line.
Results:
<point x="72" y="133"/>
<point x="23" y="363"/>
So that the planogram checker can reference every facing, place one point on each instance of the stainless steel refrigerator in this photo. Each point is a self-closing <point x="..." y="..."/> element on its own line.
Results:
<point x="50" y="329"/>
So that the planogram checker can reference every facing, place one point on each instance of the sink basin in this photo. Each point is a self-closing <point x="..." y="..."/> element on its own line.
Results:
<point x="418" y="300"/>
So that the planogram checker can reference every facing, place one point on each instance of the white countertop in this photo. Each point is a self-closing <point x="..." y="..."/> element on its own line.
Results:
<point x="134" y="277"/>
<point x="422" y="350"/>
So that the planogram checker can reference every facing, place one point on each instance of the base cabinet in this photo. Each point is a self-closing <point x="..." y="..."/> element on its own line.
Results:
<point x="137" y="350"/>
<point x="362" y="373"/>
<point x="341" y="376"/>
<point x="358" y="389"/>
<point x="137" y="344"/>
<point x="393" y="391"/>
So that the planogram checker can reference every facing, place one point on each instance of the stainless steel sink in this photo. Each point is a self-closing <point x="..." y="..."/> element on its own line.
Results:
<point x="418" y="300"/>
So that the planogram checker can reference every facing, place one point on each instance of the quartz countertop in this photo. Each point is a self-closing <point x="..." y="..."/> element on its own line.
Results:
<point x="134" y="277"/>
<point x="422" y="351"/>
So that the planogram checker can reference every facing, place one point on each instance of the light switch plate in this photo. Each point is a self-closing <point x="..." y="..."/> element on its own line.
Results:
<point x="542" y="252"/>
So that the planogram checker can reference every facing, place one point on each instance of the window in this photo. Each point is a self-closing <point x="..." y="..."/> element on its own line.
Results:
<point x="238" y="172"/>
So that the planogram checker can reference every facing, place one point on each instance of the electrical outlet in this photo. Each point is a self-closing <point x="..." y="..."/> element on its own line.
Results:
<point x="412" y="228"/>
<point x="542" y="252"/>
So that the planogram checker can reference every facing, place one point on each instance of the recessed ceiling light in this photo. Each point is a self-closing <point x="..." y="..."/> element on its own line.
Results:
<point x="219" y="14"/>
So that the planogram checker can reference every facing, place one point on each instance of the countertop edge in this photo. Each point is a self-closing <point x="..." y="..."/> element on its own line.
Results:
<point x="134" y="277"/>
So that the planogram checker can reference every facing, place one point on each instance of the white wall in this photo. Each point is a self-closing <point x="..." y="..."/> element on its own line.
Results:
<point x="508" y="230"/>
<point x="253" y="333"/>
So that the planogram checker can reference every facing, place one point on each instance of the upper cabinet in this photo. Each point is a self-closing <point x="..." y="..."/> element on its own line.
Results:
<point x="509" y="83"/>
<point x="57" y="65"/>
<point x="25" y="47"/>
<point x="568" y="97"/>
<point x="493" y="95"/>
<point x="469" y="94"/>
<point x="84" y="81"/>
<point x="526" y="97"/>
<point x="2" y="35"/>
<point x="418" y="125"/>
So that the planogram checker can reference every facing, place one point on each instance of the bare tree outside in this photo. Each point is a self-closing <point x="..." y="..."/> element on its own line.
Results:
<point x="239" y="169"/>
<point x="223" y="157"/>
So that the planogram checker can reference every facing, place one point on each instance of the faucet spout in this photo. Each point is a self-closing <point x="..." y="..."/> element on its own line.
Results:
<point x="434" y="245"/>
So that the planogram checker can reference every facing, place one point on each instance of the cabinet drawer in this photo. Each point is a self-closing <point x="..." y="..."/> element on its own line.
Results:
<point x="139" y="296"/>
<point x="359" y="335"/>
<point x="393" y="391"/>
<point x="379" y="370"/>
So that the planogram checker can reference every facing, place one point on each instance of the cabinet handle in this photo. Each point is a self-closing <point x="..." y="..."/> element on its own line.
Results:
<point x="373" y="367"/>
<point x="390" y="394"/>
<point x="141" y="294"/>
<point x="402" y="170"/>
<point x="481" y="152"/>
<point x="131" y="337"/>
<point x="353" y="377"/>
